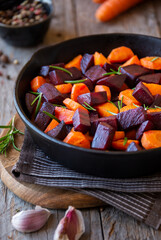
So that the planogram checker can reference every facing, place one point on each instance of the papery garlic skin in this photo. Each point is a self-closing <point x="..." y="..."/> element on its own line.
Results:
<point x="30" y="220"/>
<point x="71" y="227"/>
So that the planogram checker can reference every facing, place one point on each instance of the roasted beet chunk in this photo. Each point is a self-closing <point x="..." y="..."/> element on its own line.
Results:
<point x="93" y="98"/>
<point x="145" y="126"/>
<point x="42" y="120"/>
<point x="81" y="120"/>
<point x="150" y="78"/>
<point x="95" y="73"/>
<point x="89" y="84"/>
<point x="44" y="71"/>
<point x="76" y="73"/>
<point x="142" y="94"/>
<point x="131" y="118"/>
<point x="157" y="101"/>
<point x="113" y="82"/>
<point x="59" y="132"/>
<point x="87" y="62"/>
<point x="133" y="147"/>
<point x="93" y="116"/>
<point x="103" y="137"/>
<point x="133" y="72"/>
<point x="112" y="121"/>
<point x="50" y="93"/>
<point x="155" y="118"/>
<point x="108" y="67"/>
<point x="29" y="98"/>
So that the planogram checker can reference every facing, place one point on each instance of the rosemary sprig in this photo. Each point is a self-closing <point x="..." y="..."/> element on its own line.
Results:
<point x="76" y="81"/>
<point x="155" y="58"/>
<point x="38" y="98"/>
<point x="136" y="105"/>
<point x="51" y="116"/>
<point x="113" y="72"/>
<point x="35" y="93"/>
<point x="157" y="107"/>
<point x="62" y="69"/>
<point x="9" y="138"/>
<point x="120" y="103"/>
<point x="88" y="107"/>
<point x="111" y="112"/>
<point x="57" y="105"/>
<point x="125" y="141"/>
<point x="111" y="102"/>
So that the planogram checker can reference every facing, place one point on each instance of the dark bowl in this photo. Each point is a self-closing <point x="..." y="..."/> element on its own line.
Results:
<point x="98" y="163"/>
<point x="27" y="35"/>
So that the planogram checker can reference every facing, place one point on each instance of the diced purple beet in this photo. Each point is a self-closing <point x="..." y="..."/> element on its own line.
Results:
<point x="44" y="71"/>
<point x="29" y="98"/>
<point x="93" y="116"/>
<point x="93" y="98"/>
<point x="81" y="120"/>
<point x="103" y="136"/>
<point x="95" y="73"/>
<point x="133" y="147"/>
<point x="157" y="101"/>
<point x="87" y="62"/>
<point x="42" y="120"/>
<point x="76" y="73"/>
<point x="133" y="72"/>
<point x="57" y="77"/>
<point x="89" y="84"/>
<point x="131" y="118"/>
<point x="150" y="78"/>
<point x="113" y="82"/>
<point x="155" y="118"/>
<point x="145" y="126"/>
<point x="59" y="132"/>
<point x="142" y="94"/>
<point x="50" y="93"/>
<point x="111" y="120"/>
<point x="69" y="127"/>
<point x="108" y="67"/>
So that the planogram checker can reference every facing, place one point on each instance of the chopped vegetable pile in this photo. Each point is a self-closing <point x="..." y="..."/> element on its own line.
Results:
<point x="95" y="102"/>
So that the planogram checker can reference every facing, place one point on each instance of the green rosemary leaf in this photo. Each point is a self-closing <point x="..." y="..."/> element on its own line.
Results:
<point x="111" y="112"/>
<point x="76" y="81"/>
<point x="157" y="107"/>
<point x="119" y="105"/>
<point x="35" y="99"/>
<point x="38" y="105"/>
<point x="3" y="126"/>
<point x="111" y="102"/>
<point x="35" y="93"/>
<point x="125" y="141"/>
<point x="136" y="105"/>
<point x="13" y="143"/>
<point x="51" y="116"/>
<point x="57" y="105"/>
<point x="113" y="72"/>
<point x="88" y="107"/>
<point x="62" y="69"/>
<point x="155" y="58"/>
<point x="121" y="101"/>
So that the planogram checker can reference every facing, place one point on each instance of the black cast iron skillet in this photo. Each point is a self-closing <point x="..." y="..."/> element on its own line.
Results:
<point x="98" y="163"/>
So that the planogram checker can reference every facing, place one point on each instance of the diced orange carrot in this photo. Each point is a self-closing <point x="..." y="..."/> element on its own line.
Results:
<point x="90" y="138"/>
<point x="64" y="88"/>
<point x="37" y="82"/>
<point x="133" y="60"/>
<point x="151" y="139"/>
<point x="131" y="134"/>
<point x="72" y="105"/>
<point x="119" y="135"/>
<point x="77" y="139"/>
<point x="106" y="109"/>
<point x="127" y="97"/>
<point x="128" y="107"/>
<point x="124" y="87"/>
<point x="78" y="89"/>
<point x="153" y="88"/>
<point x="154" y="110"/>
<point x="100" y="59"/>
<point x="151" y="62"/>
<point x="64" y="114"/>
<point x="120" y="54"/>
<point x="119" y="144"/>
<point x="51" y="125"/>
<point x="102" y="88"/>
<point x="75" y="62"/>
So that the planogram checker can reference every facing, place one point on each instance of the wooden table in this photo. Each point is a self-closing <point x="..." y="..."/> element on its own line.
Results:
<point x="75" y="18"/>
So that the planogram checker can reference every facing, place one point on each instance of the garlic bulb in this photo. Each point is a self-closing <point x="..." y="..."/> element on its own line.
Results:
<point x="71" y="226"/>
<point x="30" y="220"/>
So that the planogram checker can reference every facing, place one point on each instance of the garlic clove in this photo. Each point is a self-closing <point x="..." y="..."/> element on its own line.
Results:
<point x="71" y="226"/>
<point x="30" y="220"/>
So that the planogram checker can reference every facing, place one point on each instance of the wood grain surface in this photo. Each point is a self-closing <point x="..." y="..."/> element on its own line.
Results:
<point x="75" y="18"/>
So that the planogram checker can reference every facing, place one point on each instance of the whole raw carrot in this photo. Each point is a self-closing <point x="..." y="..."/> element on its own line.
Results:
<point x="111" y="8"/>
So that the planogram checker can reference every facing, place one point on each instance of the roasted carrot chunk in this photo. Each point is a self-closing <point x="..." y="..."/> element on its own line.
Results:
<point x="154" y="110"/>
<point x="151" y="139"/>
<point x="127" y="97"/>
<point x="72" y="105"/>
<point x="64" y="114"/>
<point x="100" y="59"/>
<point x="121" y="145"/>
<point x="151" y="62"/>
<point x="75" y="62"/>
<point x="120" y="54"/>
<point x="128" y="107"/>
<point x="77" y="139"/>
<point x="153" y="88"/>
<point x="37" y="82"/>
<point x="51" y="125"/>
<point x="119" y="135"/>
<point x="78" y="89"/>
<point x="133" y="60"/>
<point x="102" y="88"/>
<point x="64" y="88"/>
<point x="106" y="109"/>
